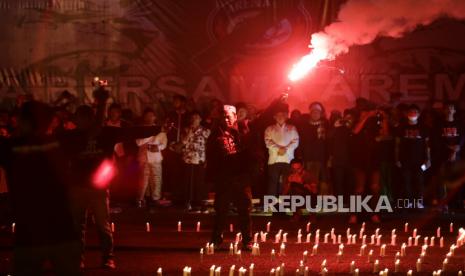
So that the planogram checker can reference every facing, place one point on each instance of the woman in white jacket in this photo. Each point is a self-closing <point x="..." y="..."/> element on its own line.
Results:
<point x="150" y="159"/>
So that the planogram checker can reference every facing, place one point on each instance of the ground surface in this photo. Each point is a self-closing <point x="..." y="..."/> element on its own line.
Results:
<point x="141" y="253"/>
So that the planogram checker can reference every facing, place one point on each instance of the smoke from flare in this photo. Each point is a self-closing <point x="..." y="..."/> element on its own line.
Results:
<point x="360" y="22"/>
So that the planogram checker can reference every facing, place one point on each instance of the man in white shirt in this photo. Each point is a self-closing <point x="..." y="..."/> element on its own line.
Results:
<point x="281" y="139"/>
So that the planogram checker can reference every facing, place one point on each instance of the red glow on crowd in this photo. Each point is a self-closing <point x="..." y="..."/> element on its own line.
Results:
<point x="104" y="174"/>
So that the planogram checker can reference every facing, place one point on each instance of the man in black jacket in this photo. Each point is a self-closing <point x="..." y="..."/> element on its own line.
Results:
<point x="226" y="152"/>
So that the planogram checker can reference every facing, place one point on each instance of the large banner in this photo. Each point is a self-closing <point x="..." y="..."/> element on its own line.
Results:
<point x="232" y="50"/>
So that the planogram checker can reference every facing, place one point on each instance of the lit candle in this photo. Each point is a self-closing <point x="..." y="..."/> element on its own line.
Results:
<point x="452" y="250"/>
<point x="397" y="256"/>
<point x="409" y="273"/>
<point x="382" y="250"/>
<point x="301" y="266"/>
<point x="362" y="249"/>
<point x="309" y="236"/>
<point x="438" y="232"/>
<point x="268" y="226"/>
<point x="231" y="227"/>
<point x="422" y="256"/>
<point x="349" y="239"/>
<point x="317" y="238"/>
<point x="378" y="240"/>
<point x="326" y="238"/>
<point x="333" y="236"/>
<point x="239" y="254"/>
<point x="242" y="271"/>
<point x="397" y="266"/>
<point x="285" y="237"/>
<point x="431" y="241"/>
<point x="218" y="271"/>
<point x="341" y="248"/>
<point x="423" y="248"/>
<point x="393" y="232"/>
<point x="198" y="226"/>
<point x="393" y="239"/>
<point x="305" y="256"/>
<point x="212" y="249"/>
<point x="323" y="264"/>
<point x="13" y="227"/>
<point x="441" y="242"/>
<point x="324" y="271"/>
<point x="377" y="232"/>
<point x="425" y="241"/>
<point x="113" y="227"/>
<point x="231" y="270"/>
<point x="339" y="256"/>
<point x="273" y="253"/>
<point x="231" y="249"/>
<point x="282" y="249"/>
<point x="186" y="271"/>
<point x="409" y="241"/>
<point x="376" y="266"/>
<point x="147" y="227"/>
<point x="179" y="226"/>
<point x="277" y="238"/>
<point x="419" y="265"/>
<point x="201" y="254"/>
<point x="356" y="272"/>
<point x="251" y="269"/>
<point x="308" y="227"/>
<point x="212" y="270"/>
<point x="282" y="269"/>
<point x="339" y="239"/>
<point x="348" y="232"/>
<point x="235" y="247"/>
<point x="364" y="239"/>
<point x="352" y="267"/>
<point x="263" y="236"/>
<point x="460" y="273"/>
<point x="451" y="227"/>
<point x="255" y="237"/>
<point x="238" y="237"/>
<point x="272" y="272"/>
<point x="315" y="250"/>
<point x="299" y="238"/>
<point x="414" y="233"/>
<point x="370" y="254"/>
<point x="403" y="250"/>
<point x="416" y="240"/>
<point x="354" y="239"/>
<point x="406" y="227"/>
<point x="444" y="264"/>
<point x="372" y="239"/>
<point x="306" y="271"/>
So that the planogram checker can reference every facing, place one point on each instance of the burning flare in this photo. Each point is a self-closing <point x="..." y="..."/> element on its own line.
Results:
<point x="308" y="62"/>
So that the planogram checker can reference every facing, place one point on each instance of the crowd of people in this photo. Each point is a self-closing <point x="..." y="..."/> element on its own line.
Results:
<point x="81" y="153"/>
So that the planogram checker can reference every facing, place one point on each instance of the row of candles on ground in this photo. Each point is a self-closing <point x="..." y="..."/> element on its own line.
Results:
<point x="304" y="270"/>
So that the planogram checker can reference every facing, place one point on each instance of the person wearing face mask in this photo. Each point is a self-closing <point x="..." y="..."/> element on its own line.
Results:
<point x="412" y="155"/>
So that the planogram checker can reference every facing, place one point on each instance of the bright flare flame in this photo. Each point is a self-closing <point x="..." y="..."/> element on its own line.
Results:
<point x="320" y="45"/>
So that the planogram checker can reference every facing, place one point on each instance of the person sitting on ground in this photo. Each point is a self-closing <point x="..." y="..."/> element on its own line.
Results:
<point x="300" y="182"/>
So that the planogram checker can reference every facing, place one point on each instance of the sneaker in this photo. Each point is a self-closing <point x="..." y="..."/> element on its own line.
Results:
<point x="109" y="264"/>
